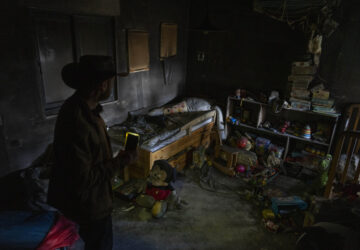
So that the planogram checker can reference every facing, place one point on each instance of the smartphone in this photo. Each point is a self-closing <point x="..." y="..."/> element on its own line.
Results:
<point x="131" y="141"/>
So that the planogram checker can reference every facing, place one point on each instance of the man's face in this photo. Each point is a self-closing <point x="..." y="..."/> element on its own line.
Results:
<point x="106" y="88"/>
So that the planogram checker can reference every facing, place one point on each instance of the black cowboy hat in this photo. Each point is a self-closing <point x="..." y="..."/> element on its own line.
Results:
<point x="91" y="69"/>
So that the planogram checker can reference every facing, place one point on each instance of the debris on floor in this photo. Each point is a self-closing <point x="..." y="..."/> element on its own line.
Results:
<point x="151" y="198"/>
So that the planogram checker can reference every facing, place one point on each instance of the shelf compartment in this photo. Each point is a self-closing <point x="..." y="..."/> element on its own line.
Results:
<point x="285" y="135"/>
<point x="335" y="116"/>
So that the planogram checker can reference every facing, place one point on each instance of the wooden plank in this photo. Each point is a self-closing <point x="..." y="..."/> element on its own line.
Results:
<point x="229" y="158"/>
<point x="225" y="170"/>
<point x="349" y="155"/>
<point x="199" y="119"/>
<point x="357" y="173"/>
<point x="229" y="110"/>
<point x="179" y="163"/>
<point x="333" y="167"/>
<point x="146" y="158"/>
<point x="357" y="119"/>
<point x="138" y="170"/>
<point x="126" y="172"/>
<point x="194" y="139"/>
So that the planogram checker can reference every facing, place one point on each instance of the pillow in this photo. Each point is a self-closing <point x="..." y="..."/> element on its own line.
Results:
<point x="156" y="112"/>
<point x="197" y="104"/>
<point x="177" y="108"/>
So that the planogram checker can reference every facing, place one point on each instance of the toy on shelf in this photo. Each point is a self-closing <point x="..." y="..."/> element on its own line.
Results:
<point x="245" y="116"/>
<point x="232" y="120"/>
<point x="322" y="132"/>
<point x="238" y="93"/>
<point x="266" y="125"/>
<point x="285" y="126"/>
<point x="307" y="132"/>
<point x="315" y="151"/>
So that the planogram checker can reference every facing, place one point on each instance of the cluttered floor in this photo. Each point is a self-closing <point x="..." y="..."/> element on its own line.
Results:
<point x="213" y="215"/>
<point x="239" y="195"/>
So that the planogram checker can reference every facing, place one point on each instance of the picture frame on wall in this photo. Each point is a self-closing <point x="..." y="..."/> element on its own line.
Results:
<point x="168" y="40"/>
<point x="138" y="50"/>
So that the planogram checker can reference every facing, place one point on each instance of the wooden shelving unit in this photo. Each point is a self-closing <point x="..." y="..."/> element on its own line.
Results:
<point x="265" y="109"/>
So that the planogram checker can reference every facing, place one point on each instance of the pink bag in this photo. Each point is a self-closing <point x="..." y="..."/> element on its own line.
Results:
<point x="62" y="234"/>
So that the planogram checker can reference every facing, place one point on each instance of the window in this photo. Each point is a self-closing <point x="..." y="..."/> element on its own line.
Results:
<point x="62" y="39"/>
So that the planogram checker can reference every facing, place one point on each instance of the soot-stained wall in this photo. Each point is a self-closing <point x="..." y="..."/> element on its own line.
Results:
<point x="248" y="50"/>
<point x="25" y="130"/>
<point x="253" y="51"/>
<point x="340" y="60"/>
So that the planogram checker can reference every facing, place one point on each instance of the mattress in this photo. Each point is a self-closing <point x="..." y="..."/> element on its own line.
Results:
<point x="175" y="137"/>
<point x="154" y="137"/>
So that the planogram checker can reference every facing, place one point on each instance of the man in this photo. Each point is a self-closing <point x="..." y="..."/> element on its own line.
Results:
<point x="80" y="183"/>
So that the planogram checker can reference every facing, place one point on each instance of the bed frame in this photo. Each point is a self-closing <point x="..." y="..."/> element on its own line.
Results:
<point x="176" y="152"/>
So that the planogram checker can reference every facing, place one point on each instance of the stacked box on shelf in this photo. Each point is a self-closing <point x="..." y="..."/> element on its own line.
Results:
<point x="300" y="78"/>
<point x="321" y="102"/>
<point x="300" y="104"/>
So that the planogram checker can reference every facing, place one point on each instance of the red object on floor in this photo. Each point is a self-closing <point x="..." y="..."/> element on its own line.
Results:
<point x="157" y="193"/>
<point x="62" y="234"/>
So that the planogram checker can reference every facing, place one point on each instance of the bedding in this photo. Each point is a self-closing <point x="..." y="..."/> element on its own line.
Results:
<point x="161" y="126"/>
<point x="159" y="131"/>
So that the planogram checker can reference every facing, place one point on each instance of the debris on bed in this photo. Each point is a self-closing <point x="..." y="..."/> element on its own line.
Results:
<point x="159" y="125"/>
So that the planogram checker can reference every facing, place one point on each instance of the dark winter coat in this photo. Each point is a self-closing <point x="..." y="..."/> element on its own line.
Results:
<point x="80" y="183"/>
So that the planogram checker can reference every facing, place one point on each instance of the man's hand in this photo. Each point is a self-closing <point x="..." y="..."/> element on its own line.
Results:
<point x="127" y="157"/>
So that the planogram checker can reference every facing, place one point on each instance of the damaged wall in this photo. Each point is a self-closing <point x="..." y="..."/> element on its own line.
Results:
<point x="340" y="59"/>
<point x="255" y="52"/>
<point x="25" y="130"/>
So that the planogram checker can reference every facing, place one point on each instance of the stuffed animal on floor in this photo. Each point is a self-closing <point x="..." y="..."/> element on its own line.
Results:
<point x="159" y="192"/>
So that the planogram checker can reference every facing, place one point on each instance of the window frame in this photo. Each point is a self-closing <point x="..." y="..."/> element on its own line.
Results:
<point x="52" y="109"/>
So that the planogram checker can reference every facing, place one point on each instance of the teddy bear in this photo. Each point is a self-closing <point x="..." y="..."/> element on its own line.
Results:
<point x="159" y="192"/>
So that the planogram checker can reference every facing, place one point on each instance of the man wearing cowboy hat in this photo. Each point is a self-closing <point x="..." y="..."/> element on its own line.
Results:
<point x="80" y="183"/>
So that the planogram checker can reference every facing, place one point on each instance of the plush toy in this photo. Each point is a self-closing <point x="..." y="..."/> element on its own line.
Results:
<point x="272" y="160"/>
<point x="159" y="192"/>
<point x="242" y="142"/>
<point x="325" y="164"/>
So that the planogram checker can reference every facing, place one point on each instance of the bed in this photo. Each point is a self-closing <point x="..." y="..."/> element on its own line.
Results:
<point x="170" y="137"/>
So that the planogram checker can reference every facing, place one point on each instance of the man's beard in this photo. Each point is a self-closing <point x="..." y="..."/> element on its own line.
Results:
<point x="106" y="94"/>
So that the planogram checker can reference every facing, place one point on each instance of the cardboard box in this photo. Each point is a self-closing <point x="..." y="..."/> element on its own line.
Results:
<point x="321" y="94"/>
<point x="300" y="85"/>
<point x="293" y="99"/>
<point x="300" y="104"/>
<point x="300" y="93"/>
<point x="300" y="78"/>
<point x="308" y="70"/>
<point x="302" y="64"/>
<point x="323" y="102"/>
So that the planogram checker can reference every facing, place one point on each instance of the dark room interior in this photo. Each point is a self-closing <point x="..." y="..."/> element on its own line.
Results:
<point x="203" y="124"/>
